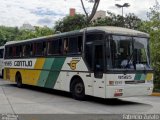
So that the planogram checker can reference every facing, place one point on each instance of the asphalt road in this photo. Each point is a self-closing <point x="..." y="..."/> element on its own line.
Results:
<point x="34" y="100"/>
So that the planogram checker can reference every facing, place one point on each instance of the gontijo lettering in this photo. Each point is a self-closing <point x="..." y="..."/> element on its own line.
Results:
<point x="23" y="63"/>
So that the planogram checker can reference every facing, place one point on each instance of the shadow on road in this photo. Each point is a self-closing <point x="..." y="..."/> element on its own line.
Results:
<point x="110" y="102"/>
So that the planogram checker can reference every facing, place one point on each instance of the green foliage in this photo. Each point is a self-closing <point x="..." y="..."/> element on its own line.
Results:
<point x="110" y="20"/>
<point x="70" y="23"/>
<point x="7" y="34"/>
<point x="153" y="28"/>
<point x="38" y="32"/>
<point x="129" y="21"/>
<point x="13" y="33"/>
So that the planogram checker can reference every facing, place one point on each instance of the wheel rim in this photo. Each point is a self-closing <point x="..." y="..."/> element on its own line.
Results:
<point x="79" y="88"/>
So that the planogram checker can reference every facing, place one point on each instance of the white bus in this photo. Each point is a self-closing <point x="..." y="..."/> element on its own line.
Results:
<point x="106" y="62"/>
<point x="1" y="60"/>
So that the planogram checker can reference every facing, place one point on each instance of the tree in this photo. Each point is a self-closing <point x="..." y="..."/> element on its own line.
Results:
<point x="129" y="21"/>
<point x="94" y="9"/>
<point x="70" y="23"/>
<point x="132" y="21"/>
<point x="153" y="28"/>
<point x="7" y="34"/>
<point x="38" y="32"/>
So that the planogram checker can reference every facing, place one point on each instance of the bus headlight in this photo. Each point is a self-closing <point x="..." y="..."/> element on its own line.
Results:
<point x="115" y="82"/>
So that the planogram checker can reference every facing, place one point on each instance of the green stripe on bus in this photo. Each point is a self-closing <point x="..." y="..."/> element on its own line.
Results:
<point x="44" y="74"/>
<point x="143" y="76"/>
<point x="137" y="77"/>
<point x="53" y="75"/>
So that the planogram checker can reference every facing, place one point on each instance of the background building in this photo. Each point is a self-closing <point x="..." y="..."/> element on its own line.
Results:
<point x="72" y="11"/>
<point x="99" y="14"/>
<point x="27" y="26"/>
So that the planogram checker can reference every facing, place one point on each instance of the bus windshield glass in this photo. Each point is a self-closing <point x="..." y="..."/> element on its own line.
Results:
<point x="129" y="52"/>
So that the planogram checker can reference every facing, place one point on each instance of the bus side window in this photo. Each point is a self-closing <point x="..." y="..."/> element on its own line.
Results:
<point x="24" y="51"/>
<point x="10" y="52"/>
<point x="1" y="53"/>
<point x="54" y="47"/>
<point x="80" y="44"/>
<point x="31" y="50"/>
<point x="39" y="49"/>
<point x="75" y="45"/>
<point x="65" y="48"/>
<point x="50" y="48"/>
<point x="17" y="51"/>
<point x="60" y="47"/>
<point x="44" y="48"/>
<point x="27" y="50"/>
<point x="6" y="52"/>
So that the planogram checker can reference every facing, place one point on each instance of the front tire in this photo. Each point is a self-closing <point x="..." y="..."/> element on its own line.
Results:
<point x="78" y="89"/>
<point x="19" y="80"/>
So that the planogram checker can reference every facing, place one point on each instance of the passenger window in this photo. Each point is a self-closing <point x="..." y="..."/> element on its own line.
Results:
<point x="27" y="50"/>
<point x="1" y="53"/>
<point x="73" y="45"/>
<point x="65" y="43"/>
<point x="80" y="41"/>
<point x="9" y="52"/>
<point x="54" y="47"/>
<point x="39" y="49"/>
<point x="88" y="54"/>
<point x="17" y="51"/>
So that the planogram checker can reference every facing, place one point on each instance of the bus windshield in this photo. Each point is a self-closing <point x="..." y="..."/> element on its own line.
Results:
<point x="129" y="52"/>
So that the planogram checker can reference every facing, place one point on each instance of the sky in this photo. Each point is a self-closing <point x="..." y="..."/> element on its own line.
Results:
<point x="47" y="12"/>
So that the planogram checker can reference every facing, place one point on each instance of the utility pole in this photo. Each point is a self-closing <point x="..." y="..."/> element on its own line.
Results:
<point x="122" y="6"/>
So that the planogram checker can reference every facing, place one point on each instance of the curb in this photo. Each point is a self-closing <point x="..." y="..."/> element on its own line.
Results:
<point x="155" y="94"/>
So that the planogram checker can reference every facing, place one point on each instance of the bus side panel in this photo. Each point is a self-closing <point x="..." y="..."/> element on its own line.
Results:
<point x="74" y="66"/>
<point x="34" y="74"/>
<point x="50" y="72"/>
<point x="29" y="76"/>
<point x="65" y="78"/>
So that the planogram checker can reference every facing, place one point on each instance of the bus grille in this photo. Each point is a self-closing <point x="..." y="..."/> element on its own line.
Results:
<point x="135" y="82"/>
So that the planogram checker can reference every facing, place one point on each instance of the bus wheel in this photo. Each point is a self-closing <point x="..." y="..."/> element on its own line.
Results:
<point x="19" y="80"/>
<point x="77" y="89"/>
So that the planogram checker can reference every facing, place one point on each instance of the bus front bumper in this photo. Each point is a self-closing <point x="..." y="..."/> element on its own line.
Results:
<point x="129" y="90"/>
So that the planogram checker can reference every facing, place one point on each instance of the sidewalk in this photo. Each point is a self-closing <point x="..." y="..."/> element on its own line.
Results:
<point x="155" y="94"/>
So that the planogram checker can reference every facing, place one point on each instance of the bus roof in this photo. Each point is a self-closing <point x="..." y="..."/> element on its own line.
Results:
<point x="118" y="30"/>
<point x="107" y="29"/>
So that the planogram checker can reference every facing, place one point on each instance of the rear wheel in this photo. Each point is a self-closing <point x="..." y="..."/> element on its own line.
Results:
<point x="78" y="89"/>
<point x="19" y="80"/>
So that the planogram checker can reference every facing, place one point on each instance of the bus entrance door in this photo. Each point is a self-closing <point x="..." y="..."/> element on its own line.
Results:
<point x="98" y="65"/>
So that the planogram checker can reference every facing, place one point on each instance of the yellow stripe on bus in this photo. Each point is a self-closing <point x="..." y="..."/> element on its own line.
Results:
<point x="34" y="74"/>
<point x="149" y="76"/>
